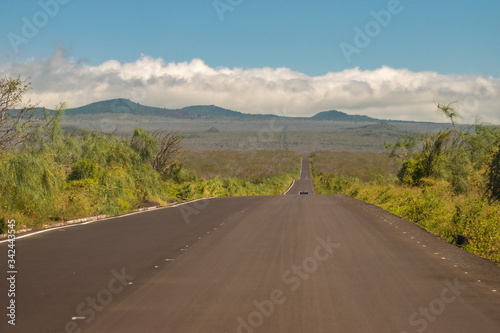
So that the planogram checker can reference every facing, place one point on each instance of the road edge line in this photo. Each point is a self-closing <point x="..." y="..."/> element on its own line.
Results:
<point x="93" y="220"/>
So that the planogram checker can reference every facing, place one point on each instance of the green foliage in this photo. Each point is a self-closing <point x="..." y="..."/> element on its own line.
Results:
<point x="333" y="183"/>
<point x="233" y="173"/>
<point x="425" y="163"/>
<point x="441" y="187"/>
<point x="458" y="155"/>
<point x="18" y="120"/>
<point x="459" y="171"/>
<point x="493" y="186"/>
<point x="84" y="169"/>
<point x="143" y="144"/>
<point x="411" y="172"/>
<point x="29" y="184"/>
<point x="55" y="176"/>
<point x="405" y="143"/>
<point x="462" y="219"/>
<point x="107" y="150"/>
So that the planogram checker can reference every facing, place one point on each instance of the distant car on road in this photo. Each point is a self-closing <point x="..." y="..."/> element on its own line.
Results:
<point x="303" y="192"/>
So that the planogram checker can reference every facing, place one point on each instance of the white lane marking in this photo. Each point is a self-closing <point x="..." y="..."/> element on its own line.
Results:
<point x="301" y="162"/>
<point x="300" y="176"/>
<point x="101" y="220"/>
<point x="293" y="182"/>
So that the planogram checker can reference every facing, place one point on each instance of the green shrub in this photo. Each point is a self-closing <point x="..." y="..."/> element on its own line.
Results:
<point x="493" y="186"/>
<point x="29" y="184"/>
<point x="84" y="169"/>
<point x="462" y="219"/>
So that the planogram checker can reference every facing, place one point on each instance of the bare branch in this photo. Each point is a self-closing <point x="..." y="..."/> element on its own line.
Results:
<point x="168" y="149"/>
<point x="17" y="119"/>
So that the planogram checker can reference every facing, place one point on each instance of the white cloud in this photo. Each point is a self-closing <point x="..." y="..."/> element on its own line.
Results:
<point x="386" y="93"/>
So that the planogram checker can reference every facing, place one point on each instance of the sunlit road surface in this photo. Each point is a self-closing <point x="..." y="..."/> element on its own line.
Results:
<point x="291" y="263"/>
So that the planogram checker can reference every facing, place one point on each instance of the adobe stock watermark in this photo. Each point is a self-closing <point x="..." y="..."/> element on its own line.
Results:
<point x="293" y="278"/>
<point x="267" y="135"/>
<point x="87" y="311"/>
<point x="264" y="136"/>
<point x="372" y="29"/>
<point x="421" y="319"/>
<point x="192" y="208"/>
<point x="223" y="6"/>
<point x="31" y="26"/>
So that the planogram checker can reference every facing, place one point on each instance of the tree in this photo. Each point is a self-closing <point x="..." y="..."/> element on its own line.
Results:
<point x="459" y="155"/>
<point x="424" y="164"/>
<point x="144" y="144"/>
<point x="494" y="178"/>
<point x="169" y="147"/>
<point x="406" y="144"/>
<point x="17" y="118"/>
<point x="159" y="149"/>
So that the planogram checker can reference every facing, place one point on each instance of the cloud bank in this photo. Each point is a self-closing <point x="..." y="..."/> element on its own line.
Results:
<point x="385" y="93"/>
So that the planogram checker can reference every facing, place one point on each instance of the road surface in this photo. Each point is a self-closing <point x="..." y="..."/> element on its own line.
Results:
<point x="291" y="263"/>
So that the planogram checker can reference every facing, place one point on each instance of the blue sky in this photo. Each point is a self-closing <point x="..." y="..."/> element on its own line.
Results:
<point x="457" y="38"/>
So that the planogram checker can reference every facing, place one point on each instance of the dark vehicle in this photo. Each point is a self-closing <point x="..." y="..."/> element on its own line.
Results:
<point x="303" y="192"/>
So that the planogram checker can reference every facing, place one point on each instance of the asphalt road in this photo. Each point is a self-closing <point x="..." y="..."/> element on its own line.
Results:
<point x="292" y="263"/>
<point x="304" y="183"/>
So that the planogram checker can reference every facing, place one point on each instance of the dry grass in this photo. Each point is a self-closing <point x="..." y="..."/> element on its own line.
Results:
<point x="241" y="164"/>
<point x="364" y="166"/>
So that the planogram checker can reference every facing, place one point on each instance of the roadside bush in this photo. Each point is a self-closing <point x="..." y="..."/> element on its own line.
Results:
<point x="465" y="219"/>
<point x="84" y="169"/>
<point x="493" y="186"/>
<point x="29" y="184"/>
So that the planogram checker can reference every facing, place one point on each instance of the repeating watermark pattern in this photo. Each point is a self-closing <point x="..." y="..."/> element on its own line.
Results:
<point x="31" y="27"/>
<point x="293" y="278"/>
<point x="192" y="208"/>
<point x="277" y="126"/>
<point x="372" y="29"/>
<point x="265" y="135"/>
<point x="11" y="272"/>
<point x="420" y="319"/>
<point x="87" y="311"/>
<point x="223" y="6"/>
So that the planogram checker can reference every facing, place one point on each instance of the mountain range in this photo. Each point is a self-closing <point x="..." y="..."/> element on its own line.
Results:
<point x="126" y="106"/>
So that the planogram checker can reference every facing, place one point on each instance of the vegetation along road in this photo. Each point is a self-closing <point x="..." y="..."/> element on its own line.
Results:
<point x="290" y="263"/>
